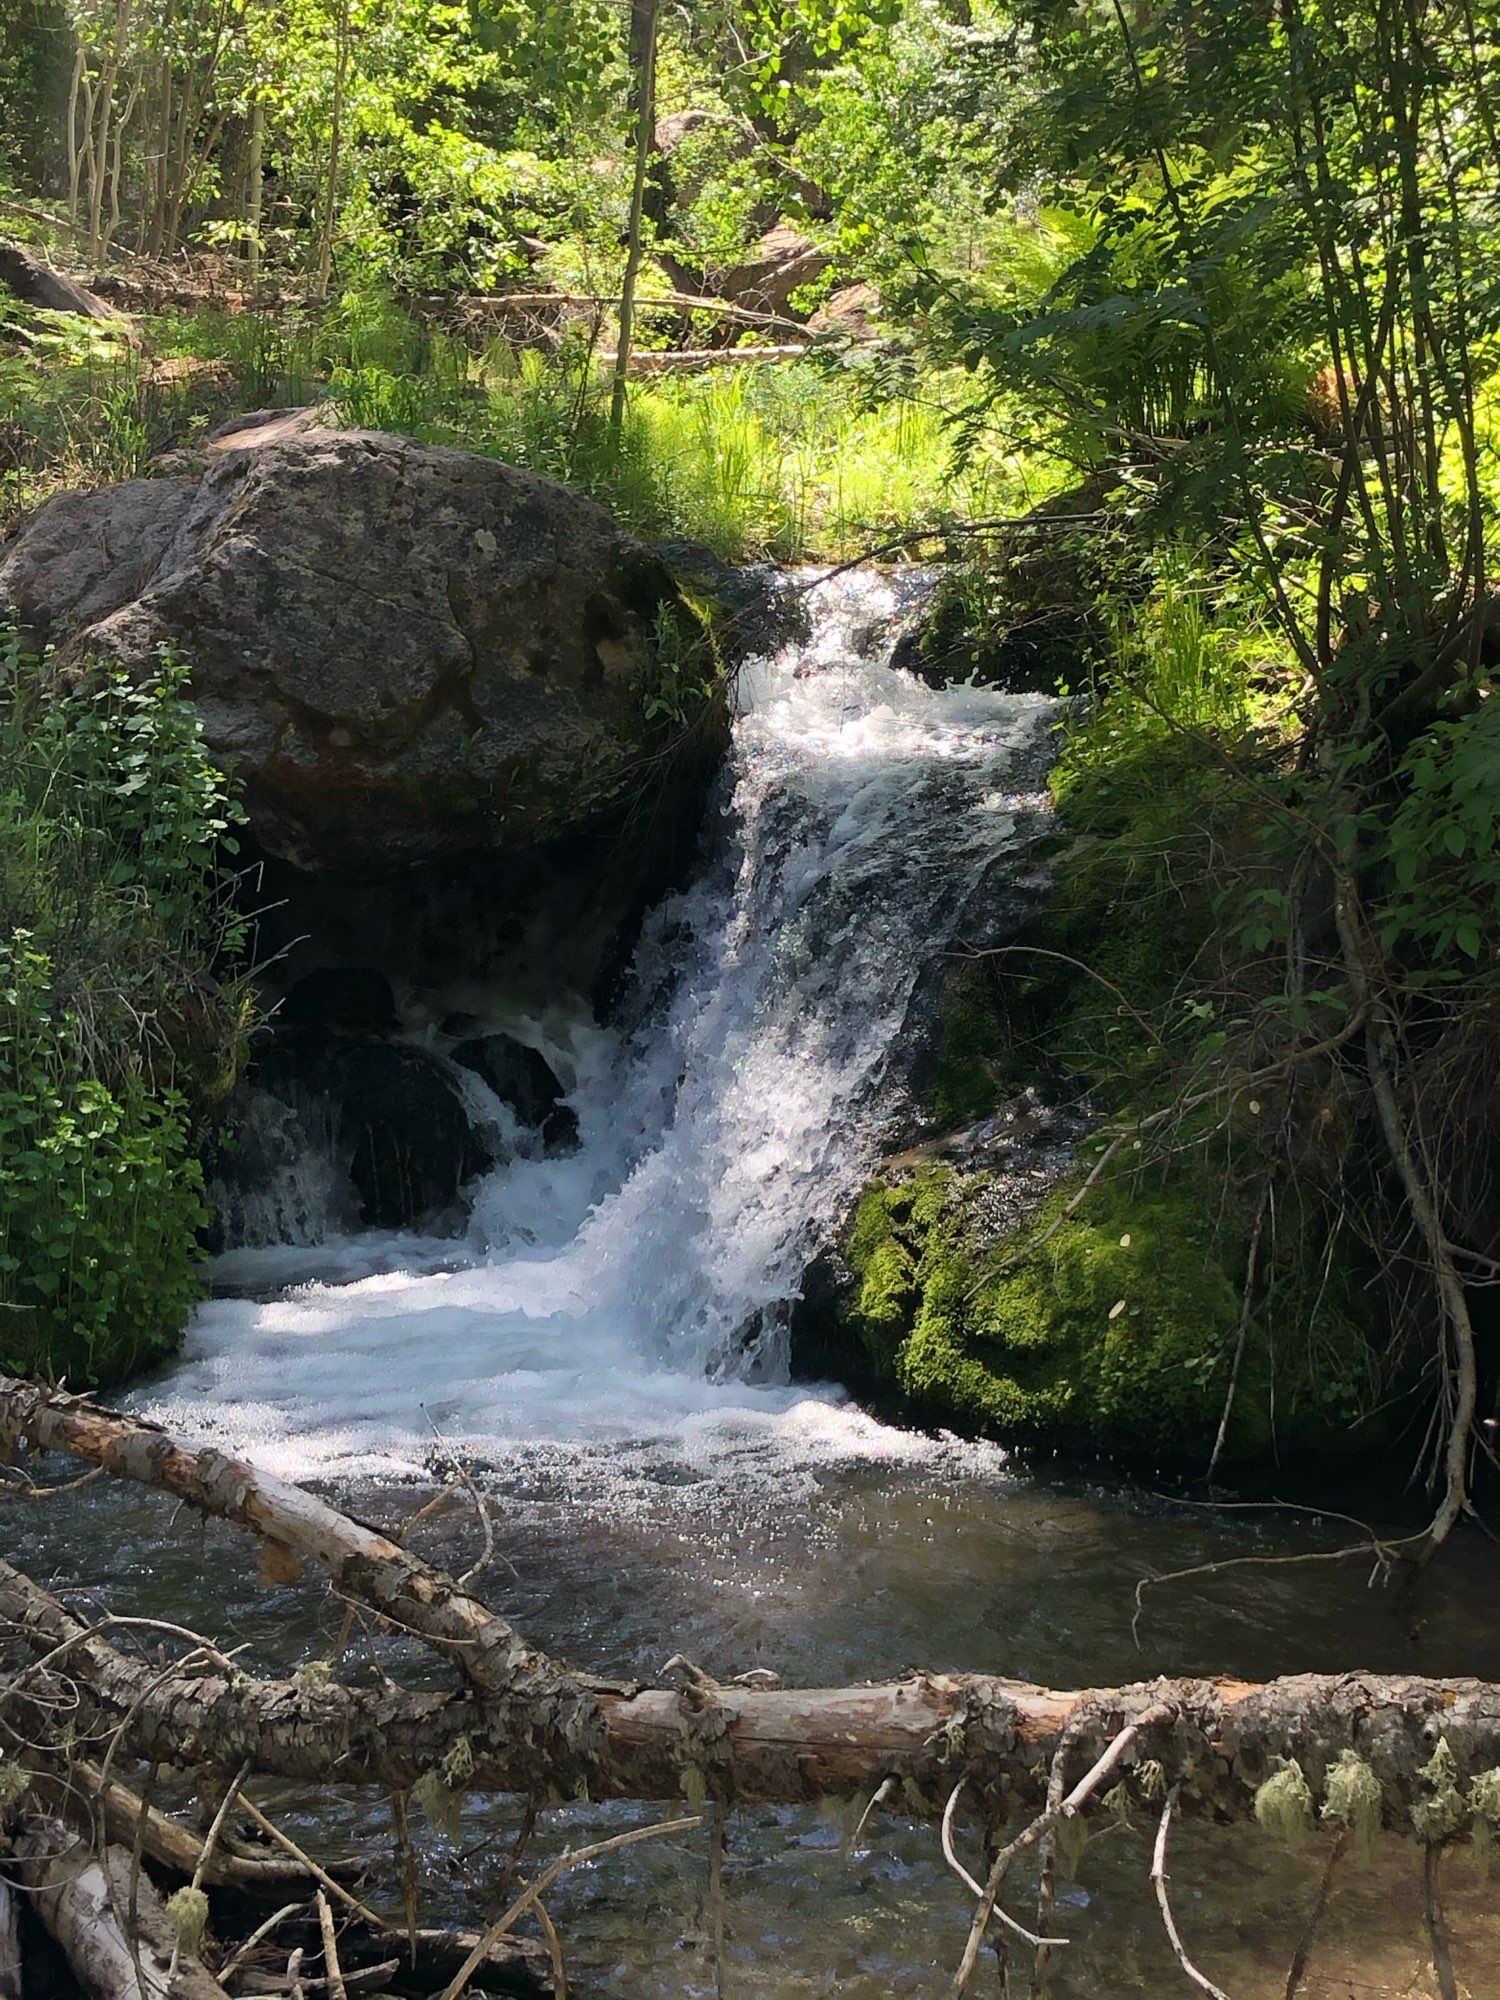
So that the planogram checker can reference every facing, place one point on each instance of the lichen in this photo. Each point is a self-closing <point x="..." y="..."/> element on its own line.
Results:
<point x="187" y="1913"/>
<point x="1284" y="1805"/>
<point x="1151" y="1781"/>
<point x="1441" y="1814"/>
<point x="1354" y="1800"/>
<point x="440" y="1803"/>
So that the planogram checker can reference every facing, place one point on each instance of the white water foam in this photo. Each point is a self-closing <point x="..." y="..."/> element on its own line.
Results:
<point x="627" y="1302"/>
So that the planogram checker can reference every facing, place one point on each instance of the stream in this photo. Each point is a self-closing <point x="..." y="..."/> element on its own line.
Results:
<point x="606" y="1347"/>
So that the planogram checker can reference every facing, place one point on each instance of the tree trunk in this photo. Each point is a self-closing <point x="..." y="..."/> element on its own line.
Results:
<point x="643" y="22"/>
<point x="255" y="187"/>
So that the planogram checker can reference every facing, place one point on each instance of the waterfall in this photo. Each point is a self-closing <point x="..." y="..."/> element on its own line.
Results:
<point x="637" y="1290"/>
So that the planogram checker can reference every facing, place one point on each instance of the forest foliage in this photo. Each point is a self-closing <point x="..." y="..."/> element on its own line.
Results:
<point x="1217" y="286"/>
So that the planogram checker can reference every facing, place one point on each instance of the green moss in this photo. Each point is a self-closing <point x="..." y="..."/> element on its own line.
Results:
<point x="972" y="1041"/>
<point x="1117" y="1332"/>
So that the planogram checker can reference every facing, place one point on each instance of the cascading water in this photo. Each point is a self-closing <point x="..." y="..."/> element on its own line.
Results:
<point x="634" y="1293"/>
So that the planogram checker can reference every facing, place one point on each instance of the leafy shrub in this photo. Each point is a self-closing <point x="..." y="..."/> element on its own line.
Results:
<point x="114" y="1035"/>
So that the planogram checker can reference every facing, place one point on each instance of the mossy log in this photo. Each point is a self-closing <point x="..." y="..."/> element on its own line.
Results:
<point x="541" y="1728"/>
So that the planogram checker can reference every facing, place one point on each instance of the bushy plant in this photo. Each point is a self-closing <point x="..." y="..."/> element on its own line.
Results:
<point x="115" y="1033"/>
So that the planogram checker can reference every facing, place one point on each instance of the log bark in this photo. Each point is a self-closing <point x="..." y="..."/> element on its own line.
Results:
<point x="774" y="1746"/>
<point x="82" y="1898"/>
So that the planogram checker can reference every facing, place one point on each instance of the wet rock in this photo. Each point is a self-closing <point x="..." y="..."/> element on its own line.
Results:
<point x="391" y="1114"/>
<point x="522" y="1078"/>
<point x="342" y="996"/>
<point x="405" y="651"/>
<point x="519" y="1076"/>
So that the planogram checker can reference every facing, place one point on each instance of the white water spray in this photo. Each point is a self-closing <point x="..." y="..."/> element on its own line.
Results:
<point x="629" y="1300"/>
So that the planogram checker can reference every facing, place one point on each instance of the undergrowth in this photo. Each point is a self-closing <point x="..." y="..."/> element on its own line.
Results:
<point x="116" y="1037"/>
<point x="796" y="462"/>
<point x="1121" y="1309"/>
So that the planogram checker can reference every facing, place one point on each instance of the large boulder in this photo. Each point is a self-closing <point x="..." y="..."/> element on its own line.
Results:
<point x="406" y="652"/>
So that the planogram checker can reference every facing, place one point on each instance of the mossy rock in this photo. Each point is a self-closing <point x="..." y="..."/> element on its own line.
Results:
<point x="1116" y="1333"/>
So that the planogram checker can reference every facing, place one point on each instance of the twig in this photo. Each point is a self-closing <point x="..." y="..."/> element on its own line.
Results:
<point x="331" y="1966"/>
<point x="716" y="1898"/>
<point x="1384" y="1552"/>
<point x="205" y="1854"/>
<point x="878" y="1797"/>
<point x="1088" y="1784"/>
<point x="1247" y="1302"/>
<point x="1159" y="1883"/>
<point x="318" y="1874"/>
<point x="554" y="1951"/>
<point x="981" y="1891"/>
<point x="1300" y="1957"/>
<point x="238" y="1956"/>
<point x="1437" y="1924"/>
<point x="566" y="1860"/>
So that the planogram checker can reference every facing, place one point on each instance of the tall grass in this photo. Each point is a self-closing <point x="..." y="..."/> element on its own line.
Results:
<point x="792" y="461"/>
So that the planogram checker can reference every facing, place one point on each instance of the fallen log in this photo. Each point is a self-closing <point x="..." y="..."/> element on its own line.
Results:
<point x="773" y="1746"/>
<point x="84" y="1898"/>
<point x="78" y="1790"/>
<point x="525" y="1723"/>
<point x="363" y="1564"/>
<point x="31" y="278"/>
<point x="693" y="360"/>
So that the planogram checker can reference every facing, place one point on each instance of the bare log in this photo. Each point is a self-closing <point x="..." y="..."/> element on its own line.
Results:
<point x="79" y="1792"/>
<point x="82" y="1897"/>
<point x="528" y="1724"/>
<point x="363" y="1564"/>
<point x="693" y="360"/>
<point x="31" y="278"/>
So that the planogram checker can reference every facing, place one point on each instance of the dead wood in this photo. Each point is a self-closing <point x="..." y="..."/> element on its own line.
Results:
<point x="752" y="1745"/>
<point x="363" y="1564"/>
<point x="31" y="278"/>
<point x="526" y="1724"/>
<point x="690" y="360"/>
<point x="82" y="1898"/>
<point x="77" y="1789"/>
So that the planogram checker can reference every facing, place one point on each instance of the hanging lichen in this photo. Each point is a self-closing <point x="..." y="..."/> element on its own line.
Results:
<point x="1443" y="1814"/>
<point x="187" y="1913"/>
<point x="1117" y="1802"/>
<point x="1354" y="1800"/>
<point x="458" y="1765"/>
<point x="14" y="1783"/>
<point x="439" y="1801"/>
<point x="314" y="1673"/>
<point x="1484" y="1804"/>
<point x="1071" y="1838"/>
<point x="1152" y="1781"/>
<point x="1284" y="1805"/>
<point x="1484" y="1799"/>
